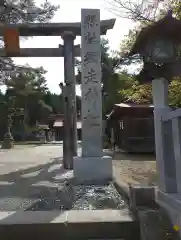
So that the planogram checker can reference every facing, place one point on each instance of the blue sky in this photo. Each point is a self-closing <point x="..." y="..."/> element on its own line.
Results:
<point x="70" y="11"/>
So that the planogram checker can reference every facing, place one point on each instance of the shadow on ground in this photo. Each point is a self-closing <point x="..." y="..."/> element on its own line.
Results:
<point x="49" y="187"/>
<point x="22" y="188"/>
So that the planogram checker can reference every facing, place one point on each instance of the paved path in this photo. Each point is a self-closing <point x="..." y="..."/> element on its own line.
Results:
<point x="24" y="158"/>
<point x="30" y="174"/>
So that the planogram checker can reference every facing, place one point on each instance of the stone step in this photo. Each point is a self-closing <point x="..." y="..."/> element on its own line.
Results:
<point x="73" y="224"/>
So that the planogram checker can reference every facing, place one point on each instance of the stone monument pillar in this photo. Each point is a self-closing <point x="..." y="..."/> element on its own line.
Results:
<point x="92" y="166"/>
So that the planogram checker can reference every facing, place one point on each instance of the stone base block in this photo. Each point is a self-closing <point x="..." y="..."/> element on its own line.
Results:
<point x="93" y="170"/>
<point x="151" y="226"/>
<point x="142" y="196"/>
<point x="171" y="203"/>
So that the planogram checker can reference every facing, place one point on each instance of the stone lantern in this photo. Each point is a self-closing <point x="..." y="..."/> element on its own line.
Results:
<point x="8" y="141"/>
<point x="158" y="46"/>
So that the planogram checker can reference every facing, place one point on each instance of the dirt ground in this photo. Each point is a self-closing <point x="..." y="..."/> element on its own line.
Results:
<point x="135" y="168"/>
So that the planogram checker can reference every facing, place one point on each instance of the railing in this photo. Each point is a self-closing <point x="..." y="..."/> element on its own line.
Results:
<point x="171" y="144"/>
<point x="171" y="115"/>
<point x="167" y="124"/>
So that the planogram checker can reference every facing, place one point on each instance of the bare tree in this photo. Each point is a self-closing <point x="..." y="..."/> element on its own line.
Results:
<point x="137" y="10"/>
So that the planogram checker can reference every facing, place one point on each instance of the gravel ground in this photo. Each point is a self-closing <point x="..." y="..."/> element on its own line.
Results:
<point x="73" y="197"/>
<point x="135" y="168"/>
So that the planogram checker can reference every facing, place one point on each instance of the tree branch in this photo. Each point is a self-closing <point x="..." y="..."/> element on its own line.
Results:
<point x="141" y="10"/>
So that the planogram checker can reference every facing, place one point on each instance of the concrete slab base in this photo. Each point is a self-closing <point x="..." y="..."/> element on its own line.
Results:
<point x="76" y="224"/>
<point x="72" y="216"/>
<point x="92" y="170"/>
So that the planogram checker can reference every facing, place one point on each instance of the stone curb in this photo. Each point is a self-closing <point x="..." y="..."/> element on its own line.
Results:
<point x="99" y="224"/>
<point x="136" y="195"/>
<point x="122" y="188"/>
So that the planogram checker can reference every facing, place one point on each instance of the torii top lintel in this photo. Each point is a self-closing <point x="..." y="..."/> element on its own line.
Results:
<point x="55" y="29"/>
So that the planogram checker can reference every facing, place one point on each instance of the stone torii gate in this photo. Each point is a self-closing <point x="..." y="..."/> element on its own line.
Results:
<point x="68" y="32"/>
